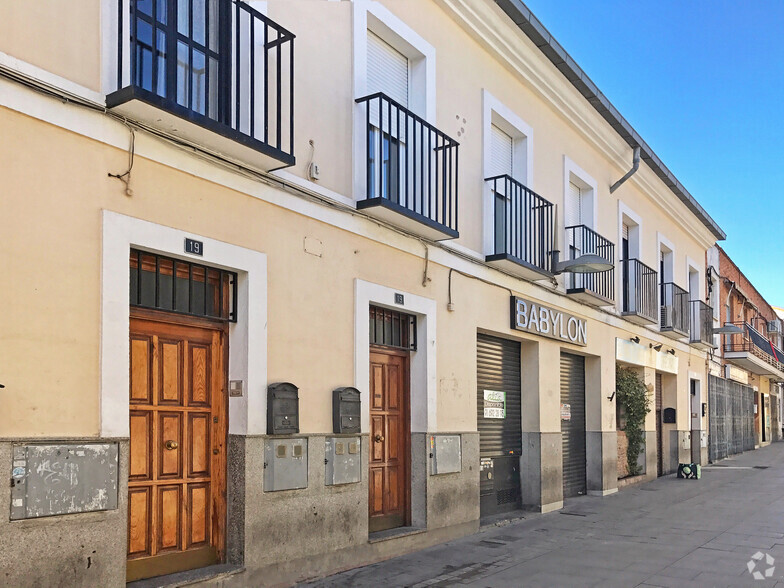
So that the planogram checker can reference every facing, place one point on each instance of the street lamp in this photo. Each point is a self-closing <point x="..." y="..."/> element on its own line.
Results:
<point x="727" y="329"/>
<point x="585" y="264"/>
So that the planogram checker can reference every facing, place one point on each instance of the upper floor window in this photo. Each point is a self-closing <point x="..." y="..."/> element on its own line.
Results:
<point x="188" y="65"/>
<point x="387" y="70"/>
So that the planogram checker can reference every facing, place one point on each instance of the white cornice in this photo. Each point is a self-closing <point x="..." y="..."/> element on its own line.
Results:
<point x="492" y="29"/>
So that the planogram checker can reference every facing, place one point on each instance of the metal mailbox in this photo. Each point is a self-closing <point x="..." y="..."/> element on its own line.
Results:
<point x="346" y="415"/>
<point x="282" y="409"/>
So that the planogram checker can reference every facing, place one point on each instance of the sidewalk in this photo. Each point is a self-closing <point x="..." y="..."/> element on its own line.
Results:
<point x="669" y="532"/>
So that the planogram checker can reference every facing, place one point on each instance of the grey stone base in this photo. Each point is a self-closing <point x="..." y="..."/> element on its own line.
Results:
<point x="86" y="549"/>
<point x="601" y="450"/>
<point x="541" y="470"/>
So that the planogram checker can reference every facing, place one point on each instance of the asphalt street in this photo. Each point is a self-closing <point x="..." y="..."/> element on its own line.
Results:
<point x="669" y="532"/>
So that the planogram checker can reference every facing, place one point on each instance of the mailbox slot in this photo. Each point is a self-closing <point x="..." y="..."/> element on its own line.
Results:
<point x="346" y="407"/>
<point x="282" y="409"/>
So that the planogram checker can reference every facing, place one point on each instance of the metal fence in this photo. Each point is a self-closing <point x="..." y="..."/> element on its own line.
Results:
<point x="731" y="425"/>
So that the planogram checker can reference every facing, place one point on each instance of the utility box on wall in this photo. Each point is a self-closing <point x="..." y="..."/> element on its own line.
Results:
<point x="282" y="409"/>
<point x="49" y="480"/>
<point x="343" y="460"/>
<point x="346" y="414"/>
<point x="285" y="464"/>
<point x="446" y="457"/>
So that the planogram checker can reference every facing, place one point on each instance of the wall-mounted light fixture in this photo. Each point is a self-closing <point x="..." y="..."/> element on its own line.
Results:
<point x="656" y="347"/>
<point x="671" y="351"/>
<point x="635" y="340"/>
<point x="585" y="264"/>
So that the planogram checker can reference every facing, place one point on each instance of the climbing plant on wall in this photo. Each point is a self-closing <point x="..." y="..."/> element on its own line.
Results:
<point x="633" y="397"/>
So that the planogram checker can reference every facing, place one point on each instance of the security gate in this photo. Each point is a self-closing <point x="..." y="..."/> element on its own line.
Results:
<point x="499" y="424"/>
<point x="573" y="424"/>
<point x="731" y="425"/>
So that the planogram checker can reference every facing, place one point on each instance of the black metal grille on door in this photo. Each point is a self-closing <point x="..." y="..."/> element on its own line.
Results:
<point x="499" y="423"/>
<point x="573" y="424"/>
<point x="659" y="435"/>
<point x="731" y="419"/>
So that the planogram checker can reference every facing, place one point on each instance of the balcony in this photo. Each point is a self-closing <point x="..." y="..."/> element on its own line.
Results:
<point x="523" y="229"/>
<point x="701" y="325"/>
<point x="595" y="289"/>
<point x="674" y="319"/>
<point x="752" y="351"/>
<point x="410" y="171"/>
<point x="638" y="289"/>
<point x="220" y="76"/>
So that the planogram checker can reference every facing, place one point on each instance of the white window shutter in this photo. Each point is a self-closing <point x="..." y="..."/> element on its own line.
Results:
<point x="387" y="70"/>
<point x="625" y="231"/>
<point x="573" y="212"/>
<point x="500" y="152"/>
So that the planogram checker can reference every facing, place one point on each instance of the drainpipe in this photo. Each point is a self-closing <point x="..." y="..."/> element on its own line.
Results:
<point x="631" y="172"/>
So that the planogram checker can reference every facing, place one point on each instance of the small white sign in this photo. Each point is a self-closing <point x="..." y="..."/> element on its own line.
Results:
<point x="495" y="404"/>
<point x="566" y="412"/>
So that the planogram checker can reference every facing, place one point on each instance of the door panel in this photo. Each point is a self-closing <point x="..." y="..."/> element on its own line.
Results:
<point x="178" y="426"/>
<point x="389" y="439"/>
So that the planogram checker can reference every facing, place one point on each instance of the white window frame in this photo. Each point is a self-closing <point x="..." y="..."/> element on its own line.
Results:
<point x="692" y="266"/>
<point x="369" y="15"/>
<point x="634" y="221"/>
<point x="247" y="337"/>
<point x="494" y="112"/>
<point x="577" y="175"/>
<point x="664" y="244"/>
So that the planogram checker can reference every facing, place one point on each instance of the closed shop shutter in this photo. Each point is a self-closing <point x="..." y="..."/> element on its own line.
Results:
<point x="659" y="435"/>
<point x="500" y="439"/>
<point x="500" y="152"/>
<point x="573" y="424"/>
<point x="387" y="70"/>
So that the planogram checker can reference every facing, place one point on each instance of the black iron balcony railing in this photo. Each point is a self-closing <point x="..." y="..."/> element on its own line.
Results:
<point x="221" y="65"/>
<point x="674" y="308"/>
<point x="580" y="240"/>
<point x="523" y="228"/>
<point x="411" y="166"/>
<point x="638" y="289"/>
<point x="754" y="342"/>
<point x="701" y="323"/>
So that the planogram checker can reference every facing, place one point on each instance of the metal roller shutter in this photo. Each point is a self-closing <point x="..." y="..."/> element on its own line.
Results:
<point x="500" y="152"/>
<point x="387" y="70"/>
<point x="500" y="439"/>
<point x="573" y="424"/>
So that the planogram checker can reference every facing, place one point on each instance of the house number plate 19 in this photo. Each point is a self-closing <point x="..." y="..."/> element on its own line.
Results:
<point x="193" y="246"/>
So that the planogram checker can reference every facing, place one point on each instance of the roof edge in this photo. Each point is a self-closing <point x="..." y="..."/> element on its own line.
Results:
<point x="532" y="27"/>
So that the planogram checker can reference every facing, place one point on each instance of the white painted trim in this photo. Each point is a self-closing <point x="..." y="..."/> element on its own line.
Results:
<point x="32" y="71"/>
<point x="634" y="252"/>
<point x="312" y="186"/>
<point x="247" y="337"/>
<point x="423" y="384"/>
<point x="495" y="112"/>
<point x="373" y="16"/>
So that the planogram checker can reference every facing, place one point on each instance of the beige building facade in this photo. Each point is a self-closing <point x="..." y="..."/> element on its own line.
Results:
<point x="224" y="225"/>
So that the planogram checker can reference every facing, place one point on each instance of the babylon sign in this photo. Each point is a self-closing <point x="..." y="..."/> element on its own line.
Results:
<point x="541" y="320"/>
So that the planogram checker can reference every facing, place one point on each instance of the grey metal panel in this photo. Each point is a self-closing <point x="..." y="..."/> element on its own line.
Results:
<point x="343" y="460"/>
<point x="658" y="392"/>
<point x="285" y="464"/>
<point x="519" y="13"/>
<point x="61" y="479"/>
<point x="500" y="440"/>
<point x="573" y="428"/>
<point x="731" y="420"/>
<point x="447" y="455"/>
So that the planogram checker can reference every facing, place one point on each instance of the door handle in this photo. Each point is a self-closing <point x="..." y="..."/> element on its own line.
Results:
<point x="171" y="445"/>
<point x="378" y="438"/>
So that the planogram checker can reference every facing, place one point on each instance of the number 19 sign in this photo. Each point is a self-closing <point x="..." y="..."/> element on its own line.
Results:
<point x="495" y="404"/>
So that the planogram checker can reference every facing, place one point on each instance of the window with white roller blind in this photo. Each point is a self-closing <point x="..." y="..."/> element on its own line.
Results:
<point x="501" y="152"/>
<point x="387" y="70"/>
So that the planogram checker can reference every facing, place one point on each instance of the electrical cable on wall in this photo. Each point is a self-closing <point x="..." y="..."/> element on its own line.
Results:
<point x="125" y="177"/>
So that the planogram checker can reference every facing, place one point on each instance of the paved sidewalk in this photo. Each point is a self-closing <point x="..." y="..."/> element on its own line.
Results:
<point x="669" y="532"/>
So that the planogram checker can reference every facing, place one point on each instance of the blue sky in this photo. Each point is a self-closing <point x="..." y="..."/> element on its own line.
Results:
<point x="703" y="83"/>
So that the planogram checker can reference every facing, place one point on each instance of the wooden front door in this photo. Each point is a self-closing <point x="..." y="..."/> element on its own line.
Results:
<point x="178" y="423"/>
<point x="389" y="440"/>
